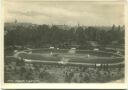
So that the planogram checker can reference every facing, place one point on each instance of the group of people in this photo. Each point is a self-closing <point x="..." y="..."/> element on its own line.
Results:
<point x="58" y="73"/>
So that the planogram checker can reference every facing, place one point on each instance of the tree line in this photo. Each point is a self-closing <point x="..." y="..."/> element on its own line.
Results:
<point x="42" y="35"/>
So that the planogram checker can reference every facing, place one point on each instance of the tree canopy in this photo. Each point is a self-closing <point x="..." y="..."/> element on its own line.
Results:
<point x="42" y="35"/>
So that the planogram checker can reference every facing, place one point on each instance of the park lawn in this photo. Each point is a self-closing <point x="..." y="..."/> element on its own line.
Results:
<point x="35" y="56"/>
<point x="76" y="59"/>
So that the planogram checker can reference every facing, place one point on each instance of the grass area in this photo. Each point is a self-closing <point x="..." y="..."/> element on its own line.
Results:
<point x="102" y="60"/>
<point x="35" y="56"/>
<point x="79" y="57"/>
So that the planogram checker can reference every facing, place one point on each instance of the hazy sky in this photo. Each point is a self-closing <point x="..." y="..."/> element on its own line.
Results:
<point x="57" y="12"/>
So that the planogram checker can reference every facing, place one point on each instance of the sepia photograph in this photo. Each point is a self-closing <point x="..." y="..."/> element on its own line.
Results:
<point x="64" y="41"/>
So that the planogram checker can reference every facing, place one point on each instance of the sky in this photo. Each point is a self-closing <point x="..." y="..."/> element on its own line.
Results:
<point x="64" y="12"/>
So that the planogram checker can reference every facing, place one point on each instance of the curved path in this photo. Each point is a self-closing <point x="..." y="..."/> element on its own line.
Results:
<point x="16" y="55"/>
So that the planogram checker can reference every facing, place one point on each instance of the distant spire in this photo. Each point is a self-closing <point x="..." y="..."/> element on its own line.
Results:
<point x="15" y="21"/>
<point x="78" y="25"/>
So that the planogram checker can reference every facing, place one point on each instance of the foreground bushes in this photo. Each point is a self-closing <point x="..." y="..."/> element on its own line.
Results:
<point x="60" y="73"/>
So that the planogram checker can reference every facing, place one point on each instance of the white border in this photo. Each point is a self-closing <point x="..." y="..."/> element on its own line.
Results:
<point x="65" y="85"/>
<point x="1" y="41"/>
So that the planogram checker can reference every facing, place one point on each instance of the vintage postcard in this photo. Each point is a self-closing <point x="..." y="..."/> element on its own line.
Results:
<point x="64" y="44"/>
